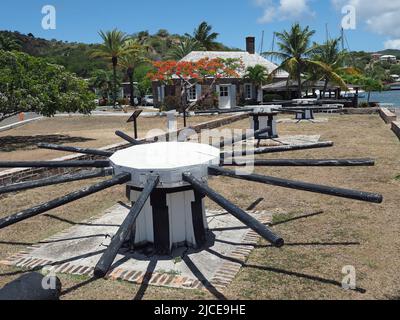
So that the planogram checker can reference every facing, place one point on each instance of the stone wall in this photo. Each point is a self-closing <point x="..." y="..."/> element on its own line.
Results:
<point x="360" y="110"/>
<point x="387" y="115"/>
<point x="396" y="128"/>
<point x="28" y="174"/>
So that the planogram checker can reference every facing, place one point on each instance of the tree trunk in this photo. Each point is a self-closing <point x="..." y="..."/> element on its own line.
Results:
<point x="326" y="86"/>
<point x="369" y="96"/>
<point x="130" y="73"/>
<point x="184" y="102"/>
<point x="114" y="63"/>
<point x="299" y="88"/>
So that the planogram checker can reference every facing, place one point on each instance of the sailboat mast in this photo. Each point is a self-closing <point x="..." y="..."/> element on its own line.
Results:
<point x="273" y="46"/>
<point x="342" y="37"/>
<point x="262" y="42"/>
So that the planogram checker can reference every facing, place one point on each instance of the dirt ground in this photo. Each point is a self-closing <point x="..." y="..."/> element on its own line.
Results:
<point x="318" y="245"/>
<point x="87" y="131"/>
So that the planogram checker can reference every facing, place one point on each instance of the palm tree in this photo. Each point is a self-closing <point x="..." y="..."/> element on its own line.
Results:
<point x="142" y="37"/>
<point x="330" y="54"/>
<point x="183" y="48"/>
<point x="204" y="35"/>
<point x="295" y="50"/>
<point x="134" y="57"/>
<point x="113" y="48"/>
<point x="258" y="75"/>
<point x="102" y="80"/>
<point x="7" y="43"/>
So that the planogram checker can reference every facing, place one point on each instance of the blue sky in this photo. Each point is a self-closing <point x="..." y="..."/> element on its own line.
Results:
<point x="233" y="19"/>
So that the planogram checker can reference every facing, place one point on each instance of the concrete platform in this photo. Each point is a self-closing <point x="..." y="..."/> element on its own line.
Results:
<point x="77" y="250"/>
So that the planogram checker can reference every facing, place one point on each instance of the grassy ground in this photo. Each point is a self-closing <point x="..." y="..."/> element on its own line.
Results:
<point x="20" y="143"/>
<point x="353" y="233"/>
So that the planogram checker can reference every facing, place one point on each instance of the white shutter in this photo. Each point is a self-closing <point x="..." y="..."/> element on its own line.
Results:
<point x="217" y="90"/>
<point x="198" y="91"/>
<point x="233" y="95"/>
<point x="163" y="92"/>
<point x="159" y="94"/>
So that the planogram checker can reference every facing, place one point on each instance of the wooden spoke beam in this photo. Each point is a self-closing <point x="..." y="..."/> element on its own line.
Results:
<point x="94" y="152"/>
<point x="127" y="138"/>
<point x="243" y="137"/>
<point x="29" y="213"/>
<point x="105" y="262"/>
<point x="302" y="162"/>
<point x="240" y="214"/>
<point x="55" y="164"/>
<point x="277" y="149"/>
<point x="55" y="180"/>
<point x="298" y="185"/>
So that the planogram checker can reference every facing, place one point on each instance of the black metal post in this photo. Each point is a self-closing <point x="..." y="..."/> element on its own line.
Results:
<point x="298" y="185"/>
<point x="356" y="98"/>
<point x="55" y="180"/>
<point x="29" y="213"/>
<point x="277" y="149"/>
<point x="303" y="162"/>
<point x="135" y="127"/>
<point x="105" y="262"/>
<point x="88" y="151"/>
<point x="241" y="215"/>
<point x="56" y="164"/>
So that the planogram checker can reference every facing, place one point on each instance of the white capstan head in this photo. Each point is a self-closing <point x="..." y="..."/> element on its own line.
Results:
<point x="169" y="160"/>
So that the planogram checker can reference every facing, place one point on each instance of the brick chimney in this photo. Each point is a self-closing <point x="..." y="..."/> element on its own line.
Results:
<point x="251" y="45"/>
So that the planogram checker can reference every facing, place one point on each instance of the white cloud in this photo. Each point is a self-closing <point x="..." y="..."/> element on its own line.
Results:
<point x="381" y="17"/>
<point x="392" y="44"/>
<point x="268" y="16"/>
<point x="283" y="9"/>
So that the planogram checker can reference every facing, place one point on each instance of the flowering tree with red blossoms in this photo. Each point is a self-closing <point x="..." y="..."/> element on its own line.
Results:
<point x="190" y="73"/>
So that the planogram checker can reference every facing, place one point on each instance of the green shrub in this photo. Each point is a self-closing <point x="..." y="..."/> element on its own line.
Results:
<point x="269" y="97"/>
<point x="29" y="84"/>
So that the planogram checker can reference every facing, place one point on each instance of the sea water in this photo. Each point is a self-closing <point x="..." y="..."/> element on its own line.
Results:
<point x="390" y="97"/>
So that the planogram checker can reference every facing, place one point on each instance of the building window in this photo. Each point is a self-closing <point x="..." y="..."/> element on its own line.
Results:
<point x="247" y="91"/>
<point x="224" y="91"/>
<point x="192" y="94"/>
